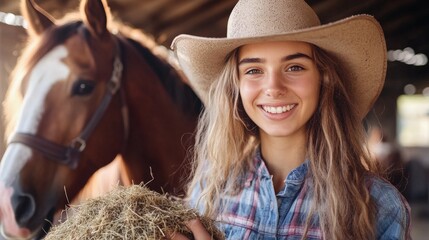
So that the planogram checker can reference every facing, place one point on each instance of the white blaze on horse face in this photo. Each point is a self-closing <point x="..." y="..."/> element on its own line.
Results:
<point x="48" y="71"/>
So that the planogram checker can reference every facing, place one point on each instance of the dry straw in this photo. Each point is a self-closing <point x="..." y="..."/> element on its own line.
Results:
<point x="133" y="212"/>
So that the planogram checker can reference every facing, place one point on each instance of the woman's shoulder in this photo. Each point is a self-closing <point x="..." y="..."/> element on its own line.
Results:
<point x="384" y="193"/>
<point x="392" y="210"/>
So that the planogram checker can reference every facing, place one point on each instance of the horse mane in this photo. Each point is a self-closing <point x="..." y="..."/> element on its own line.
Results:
<point x="181" y="93"/>
<point x="166" y="67"/>
<point x="159" y="58"/>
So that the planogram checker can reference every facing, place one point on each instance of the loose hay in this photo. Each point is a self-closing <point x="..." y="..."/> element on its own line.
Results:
<point x="133" y="212"/>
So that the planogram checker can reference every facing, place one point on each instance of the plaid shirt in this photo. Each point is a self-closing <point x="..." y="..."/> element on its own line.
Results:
<point x="257" y="212"/>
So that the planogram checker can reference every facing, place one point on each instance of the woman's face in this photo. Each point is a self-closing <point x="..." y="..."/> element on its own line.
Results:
<point x="279" y="86"/>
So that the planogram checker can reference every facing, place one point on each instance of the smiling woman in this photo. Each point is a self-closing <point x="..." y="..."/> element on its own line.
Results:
<point x="282" y="129"/>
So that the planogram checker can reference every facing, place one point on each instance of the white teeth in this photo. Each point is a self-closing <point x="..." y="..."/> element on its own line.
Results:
<point x="277" y="110"/>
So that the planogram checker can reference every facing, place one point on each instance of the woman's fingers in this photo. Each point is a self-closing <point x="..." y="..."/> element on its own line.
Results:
<point x="198" y="229"/>
<point x="178" y="236"/>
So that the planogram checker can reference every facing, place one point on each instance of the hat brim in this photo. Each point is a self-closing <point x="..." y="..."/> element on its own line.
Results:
<point x="356" y="42"/>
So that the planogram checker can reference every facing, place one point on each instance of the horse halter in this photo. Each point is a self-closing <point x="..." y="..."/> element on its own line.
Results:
<point x="69" y="155"/>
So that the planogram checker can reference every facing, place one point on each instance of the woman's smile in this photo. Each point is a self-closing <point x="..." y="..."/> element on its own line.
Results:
<point x="278" y="109"/>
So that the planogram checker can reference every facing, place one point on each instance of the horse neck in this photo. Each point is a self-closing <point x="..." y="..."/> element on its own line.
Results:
<point x="160" y="128"/>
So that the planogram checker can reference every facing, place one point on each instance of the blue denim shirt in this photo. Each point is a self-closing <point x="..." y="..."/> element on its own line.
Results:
<point x="257" y="212"/>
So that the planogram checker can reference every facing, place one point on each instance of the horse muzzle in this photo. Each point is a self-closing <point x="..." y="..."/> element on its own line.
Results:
<point x="16" y="209"/>
<point x="28" y="235"/>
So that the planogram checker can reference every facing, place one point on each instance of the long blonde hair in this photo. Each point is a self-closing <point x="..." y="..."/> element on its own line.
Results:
<point x="225" y="145"/>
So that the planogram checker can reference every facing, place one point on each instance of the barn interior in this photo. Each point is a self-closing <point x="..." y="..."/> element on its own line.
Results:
<point x="401" y="112"/>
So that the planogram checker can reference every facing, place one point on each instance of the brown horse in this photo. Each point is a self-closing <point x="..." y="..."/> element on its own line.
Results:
<point x="82" y="96"/>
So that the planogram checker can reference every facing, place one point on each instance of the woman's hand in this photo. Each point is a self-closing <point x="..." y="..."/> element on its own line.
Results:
<point x="197" y="228"/>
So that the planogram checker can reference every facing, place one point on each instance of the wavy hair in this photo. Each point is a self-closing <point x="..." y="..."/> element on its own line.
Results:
<point x="336" y="146"/>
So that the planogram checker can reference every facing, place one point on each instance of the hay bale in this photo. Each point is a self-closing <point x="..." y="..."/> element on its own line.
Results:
<point x="133" y="212"/>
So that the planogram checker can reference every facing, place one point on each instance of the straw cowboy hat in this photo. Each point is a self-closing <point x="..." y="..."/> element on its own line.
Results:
<point x="356" y="42"/>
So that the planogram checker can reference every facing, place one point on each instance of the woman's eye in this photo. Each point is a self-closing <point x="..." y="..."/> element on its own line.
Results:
<point x="295" y="68"/>
<point x="253" y="71"/>
<point x="82" y="87"/>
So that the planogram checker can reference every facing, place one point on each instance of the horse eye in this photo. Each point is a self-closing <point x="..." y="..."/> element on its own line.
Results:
<point x="82" y="87"/>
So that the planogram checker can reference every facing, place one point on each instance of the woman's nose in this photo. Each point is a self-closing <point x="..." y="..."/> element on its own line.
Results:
<point x="274" y="87"/>
<point x="274" y="92"/>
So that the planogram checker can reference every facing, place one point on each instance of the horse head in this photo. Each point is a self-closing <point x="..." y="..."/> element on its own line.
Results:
<point x="68" y="88"/>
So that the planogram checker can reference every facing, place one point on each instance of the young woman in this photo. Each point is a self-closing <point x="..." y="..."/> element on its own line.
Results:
<point x="280" y="149"/>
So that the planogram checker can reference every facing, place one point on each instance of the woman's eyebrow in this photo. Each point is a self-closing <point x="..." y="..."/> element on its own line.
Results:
<point x="285" y="58"/>
<point x="295" y="56"/>
<point x="251" y="60"/>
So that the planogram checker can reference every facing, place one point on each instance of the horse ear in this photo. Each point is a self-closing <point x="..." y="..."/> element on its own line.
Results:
<point x="38" y="19"/>
<point x="95" y="16"/>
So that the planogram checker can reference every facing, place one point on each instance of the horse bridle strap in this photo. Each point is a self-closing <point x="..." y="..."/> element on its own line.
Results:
<point x="54" y="151"/>
<point x="69" y="155"/>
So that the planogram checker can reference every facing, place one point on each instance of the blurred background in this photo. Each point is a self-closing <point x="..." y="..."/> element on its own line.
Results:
<point x="398" y="126"/>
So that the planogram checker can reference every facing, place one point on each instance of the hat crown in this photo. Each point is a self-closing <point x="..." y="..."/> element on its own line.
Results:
<point x="250" y="18"/>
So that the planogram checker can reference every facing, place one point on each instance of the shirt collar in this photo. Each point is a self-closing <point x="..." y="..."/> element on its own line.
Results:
<point x="259" y="168"/>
